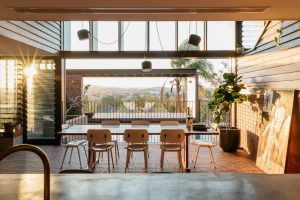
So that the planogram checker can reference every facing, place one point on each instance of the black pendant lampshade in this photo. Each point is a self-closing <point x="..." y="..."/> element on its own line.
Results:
<point x="83" y="34"/>
<point x="194" y="40"/>
<point x="146" y="66"/>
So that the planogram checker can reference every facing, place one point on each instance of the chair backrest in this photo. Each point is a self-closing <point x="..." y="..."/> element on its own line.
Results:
<point x="172" y="136"/>
<point x="140" y="122"/>
<point x="65" y="126"/>
<point x="169" y="123"/>
<point x="136" y="136"/>
<point x="110" y="122"/>
<point x="99" y="136"/>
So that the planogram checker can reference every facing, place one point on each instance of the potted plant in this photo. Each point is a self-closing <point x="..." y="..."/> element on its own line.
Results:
<point x="224" y="97"/>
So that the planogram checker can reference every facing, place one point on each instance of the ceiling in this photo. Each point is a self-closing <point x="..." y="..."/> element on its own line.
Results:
<point x="149" y="10"/>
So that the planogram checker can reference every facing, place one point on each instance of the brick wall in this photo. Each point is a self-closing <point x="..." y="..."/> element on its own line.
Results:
<point x="249" y="120"/>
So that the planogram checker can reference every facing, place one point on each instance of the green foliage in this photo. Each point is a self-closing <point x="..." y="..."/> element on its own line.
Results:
<point x="225" y="95"/>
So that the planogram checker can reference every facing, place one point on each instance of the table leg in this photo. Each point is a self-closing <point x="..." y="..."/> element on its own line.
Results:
<point x="186" y="154"/>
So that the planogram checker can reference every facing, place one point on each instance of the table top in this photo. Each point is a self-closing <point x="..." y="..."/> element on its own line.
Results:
<point x="153" y="129"/>
<point x="152" y="186"/>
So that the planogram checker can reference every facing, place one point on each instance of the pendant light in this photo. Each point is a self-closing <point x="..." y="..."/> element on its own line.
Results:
<point x="146" y="66"/>
<point x="194" y="39"/>
<point x="83" y="34"/>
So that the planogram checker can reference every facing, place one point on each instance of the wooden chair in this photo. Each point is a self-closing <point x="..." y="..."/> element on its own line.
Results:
<point x="207" y="141"/>
<point x="114" y="140"/>
<point x="140" y="122"/>
<point x="72" y="142"/>
<point x="137" y="141"/>
<point x="100" y="142"/>
<point x="169" y="123"/>
<point x="172" y="140"/>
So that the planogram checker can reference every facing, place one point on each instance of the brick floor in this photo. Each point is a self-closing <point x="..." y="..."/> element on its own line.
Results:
<point x="26" y="162"/>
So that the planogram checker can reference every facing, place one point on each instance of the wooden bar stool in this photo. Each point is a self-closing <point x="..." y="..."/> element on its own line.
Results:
<point x="137" y="141"/>
<point x="172" y="140"/>
<point x="99" y="142"/>
<point x="71" y="142"/>
<point x="140" y="122"/>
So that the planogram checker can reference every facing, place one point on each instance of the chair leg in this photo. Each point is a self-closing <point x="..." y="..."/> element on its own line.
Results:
<point x="112" y="158"/>
<point x="117" y="148"/>
<point x="85" y="153"/>
<point x="162" y="159"/>
<point x="108" y="160"/>
<point x="146" y="159"/>
<point x="98" y="161"/>
<point x="79" y="157"/>
<point x="198" y="149"/>
<point x="64" y="157"/>
<point x="180" y="160"/>
<point x="127" y="160"/>
<point x="212" y="157"/>
<point x="71" y="154"/>
<point x="194" y="154"/>
<point x="116" y="152"/>
<point x="94" y="159"/>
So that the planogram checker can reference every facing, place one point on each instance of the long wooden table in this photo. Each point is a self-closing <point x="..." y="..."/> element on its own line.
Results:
<point x="153" y="129"/>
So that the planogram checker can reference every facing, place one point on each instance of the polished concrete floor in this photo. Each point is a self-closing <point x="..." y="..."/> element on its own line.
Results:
<point x="26" y="162"/>
<point x="153" y="186"/>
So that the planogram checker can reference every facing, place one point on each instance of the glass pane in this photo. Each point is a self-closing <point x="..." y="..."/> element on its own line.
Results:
<point x="221" y="35"/>
<point x="76" y="44"/>
<point x="162" y="36"/>
<point x="186" y="28"/>
<point x="135" y="36"/>
<point x="107" y="35"/>
<point x="115" y="63"/>
<point x="41" y="99"/>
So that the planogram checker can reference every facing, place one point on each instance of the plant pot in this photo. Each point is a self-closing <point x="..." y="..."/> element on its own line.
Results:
<point x="230" y="139"/>
<point x="89" y="115"/>
<point x="8" y="129"/>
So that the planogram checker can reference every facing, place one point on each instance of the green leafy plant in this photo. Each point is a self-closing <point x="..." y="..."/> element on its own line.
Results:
<point x="225" y="95"/>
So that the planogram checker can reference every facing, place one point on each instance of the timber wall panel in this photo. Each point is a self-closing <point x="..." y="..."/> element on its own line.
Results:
<point x="43" y="35"/>
<point x="270" y="66"/>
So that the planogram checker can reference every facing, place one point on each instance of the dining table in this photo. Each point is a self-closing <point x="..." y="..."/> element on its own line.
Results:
<point x="153" y="129"/>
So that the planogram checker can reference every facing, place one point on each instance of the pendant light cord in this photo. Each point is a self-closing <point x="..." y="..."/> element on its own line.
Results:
<point x="109" y="43"/>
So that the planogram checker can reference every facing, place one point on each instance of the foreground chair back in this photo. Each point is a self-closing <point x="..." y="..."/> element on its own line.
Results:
<point x="169" y="123"/>
<point x="99" y="140"/>
<point x="137" y="140"/>
<point x="172" y="140"/>
<point x="140" y="122"/>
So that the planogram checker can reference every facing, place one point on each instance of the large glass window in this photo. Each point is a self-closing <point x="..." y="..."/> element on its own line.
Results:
<point x="76" y="44"/>
<point x="162" y="36"/>
<point x="107" y="35"/>
<point x="221" y="35"/>
<point x="40" y="99"/>
<point x="134" y="38"/>
<point x="186" y="28"/>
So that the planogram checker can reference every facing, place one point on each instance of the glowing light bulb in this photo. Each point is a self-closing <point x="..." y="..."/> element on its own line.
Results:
<point x="30" y="71"/>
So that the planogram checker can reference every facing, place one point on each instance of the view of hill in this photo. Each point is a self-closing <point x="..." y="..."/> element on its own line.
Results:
<point x="97" y="91"/>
